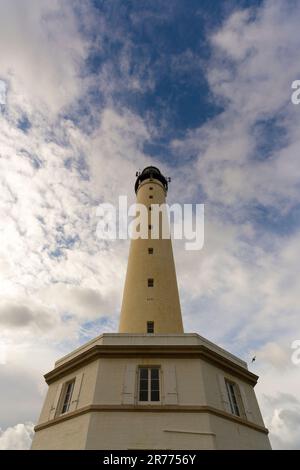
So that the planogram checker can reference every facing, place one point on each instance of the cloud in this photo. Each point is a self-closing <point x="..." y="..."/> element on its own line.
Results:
<point x="18" y="437"/>
<point x="84" y="302"/>
<point x="284" y="421"/>
<point x="259" y="67"/>
<point x="250" y="73"/>
<point x="275" y="355"/>
<point x="41" y="52"/>
<point x="16" y="315"/>
<point x="21" y="388"/>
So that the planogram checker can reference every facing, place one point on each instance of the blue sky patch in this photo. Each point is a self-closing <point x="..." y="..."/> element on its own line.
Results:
<point x="24" y="123"/>
<point x="157" y="53"/>
<point x="270" y="135"/>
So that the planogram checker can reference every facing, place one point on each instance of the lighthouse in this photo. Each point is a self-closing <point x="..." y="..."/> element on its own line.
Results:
<point x="150" y="385"/>
<point x="150" y="299"/>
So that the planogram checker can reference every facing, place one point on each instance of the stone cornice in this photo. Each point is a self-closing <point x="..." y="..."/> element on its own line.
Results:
<point x="152" y="409"/>
<point x="163" y="351"/>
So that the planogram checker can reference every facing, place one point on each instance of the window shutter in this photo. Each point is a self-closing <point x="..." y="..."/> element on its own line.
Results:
<point x="224" y="393"/>
<point x="76" y="392"/>
<point x="245" y="403"/>
<point x="128" y="393"/>
<point x="55" y="404"/>
<point x="170" y="385"/>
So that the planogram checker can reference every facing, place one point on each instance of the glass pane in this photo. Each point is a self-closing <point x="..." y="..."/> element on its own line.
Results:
<point x="232" y="398"/>
<point x="144" y="384"/>
<point x="143" y="395"/>
<point x="154" y="374"/>
<point x="68" y="396"/>
<point x="144" y="374"/>
<point x="154" y="395"/>
<point x="235" y="405"/>
<point x="155" y="385"/>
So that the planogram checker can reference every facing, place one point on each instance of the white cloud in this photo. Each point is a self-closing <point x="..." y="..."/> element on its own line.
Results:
<point x="285" y="427"/>
<point x="282" y="415"/>
<point x="41" y="52"/>
<point x="276" y="355"/>
<point x="250" y="74"/>
<point x="18" y="437"/>
<point x="262" y="48"/>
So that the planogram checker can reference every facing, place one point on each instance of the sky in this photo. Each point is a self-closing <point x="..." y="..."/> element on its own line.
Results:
<point x="92" y="91"/>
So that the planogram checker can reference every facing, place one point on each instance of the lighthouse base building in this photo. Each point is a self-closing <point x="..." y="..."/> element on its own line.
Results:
<point x="205" y="397"/>
<point x="150" y="386"/>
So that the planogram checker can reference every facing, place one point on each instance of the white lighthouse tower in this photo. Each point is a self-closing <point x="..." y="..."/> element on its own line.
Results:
<point x="151" y="293"/>
<point x="150" y="386"/>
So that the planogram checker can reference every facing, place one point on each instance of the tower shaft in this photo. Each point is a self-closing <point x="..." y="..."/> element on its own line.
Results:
<point x="151" y="293"/>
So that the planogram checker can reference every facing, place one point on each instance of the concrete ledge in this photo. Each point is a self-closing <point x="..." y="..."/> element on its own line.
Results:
<point x="150" y="350"/>
<point x="126" y="339"/>
<point x="153" y="409"/>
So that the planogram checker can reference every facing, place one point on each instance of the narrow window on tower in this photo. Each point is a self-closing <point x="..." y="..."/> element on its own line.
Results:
<point x="149" y="384"/>
<point x="67" y="397"/>
<point x="150" y="188"/>
<point x="150" y="227"/>
<point x="233" y="396"/>
<point x="150" y="282"/>
<point x="150" y="326"/>
<point x="151" y="197"/>
<point x="150" y="251"/>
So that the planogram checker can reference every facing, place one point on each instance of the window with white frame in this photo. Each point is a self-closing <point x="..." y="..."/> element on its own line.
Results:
<point x="67" y="396"/>
<point x="149" y="384"/>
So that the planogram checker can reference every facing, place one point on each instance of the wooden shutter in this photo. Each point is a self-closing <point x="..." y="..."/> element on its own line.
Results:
<point x="224" y="393"/>
<point x="55" y="403"/>
<point x="248" y="411"/>
<point x="76" y="392"/>
<point x="129" y="385"/>
<point x="170" y="384"/>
